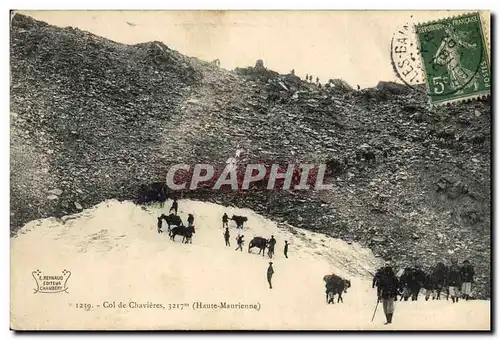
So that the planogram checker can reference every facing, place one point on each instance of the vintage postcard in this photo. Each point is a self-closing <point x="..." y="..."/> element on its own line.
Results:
<point x="250" y="170"/>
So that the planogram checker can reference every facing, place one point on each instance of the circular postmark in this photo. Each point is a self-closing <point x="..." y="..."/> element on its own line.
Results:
<point x="445" y="55"/>
<point x="405" y="58"/>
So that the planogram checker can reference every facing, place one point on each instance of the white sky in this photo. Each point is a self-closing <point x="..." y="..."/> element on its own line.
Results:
<point x="353" y="45"/>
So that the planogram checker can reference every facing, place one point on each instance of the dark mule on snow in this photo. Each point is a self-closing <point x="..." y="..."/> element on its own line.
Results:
<point x="438" y="276"/>
<point x="172" y="220"/>
<point x="335" y="285"/>
<point x="185" y="232"/>
<point x="239" y="220"/>
<point x="258" y="242"/>
<point x="411" y="281"/>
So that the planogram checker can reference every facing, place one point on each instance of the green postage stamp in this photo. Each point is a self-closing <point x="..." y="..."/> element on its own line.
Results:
<point x="455" y="60"/>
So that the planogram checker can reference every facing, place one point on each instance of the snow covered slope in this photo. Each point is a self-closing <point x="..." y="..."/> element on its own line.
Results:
<point x="115" y="255"/>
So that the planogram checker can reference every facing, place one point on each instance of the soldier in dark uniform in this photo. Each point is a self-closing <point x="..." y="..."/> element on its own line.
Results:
<point x="226" y="237"/>
<point x="174" y="206"/>
<point x="467" y="274"/>
<point x="270" y="272"/>
<point x="159" y="225"/>
<point x="388" y="283"/>
<point x="239" y="240"/>
<point x="405" y="281"/>
<point x="272" y="243"/>
<point x="162" y="196"/>
<point x="375" y="281"/>
<point x="454" y="280"/>
<point x="225" y="219"/>
<point x="190" y="220"/>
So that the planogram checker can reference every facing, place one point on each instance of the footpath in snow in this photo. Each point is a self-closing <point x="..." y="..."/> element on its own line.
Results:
<point x="116" y="258"/>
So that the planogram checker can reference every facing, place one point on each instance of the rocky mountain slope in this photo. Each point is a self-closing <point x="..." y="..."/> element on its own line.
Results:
<point x="92" y="119"/>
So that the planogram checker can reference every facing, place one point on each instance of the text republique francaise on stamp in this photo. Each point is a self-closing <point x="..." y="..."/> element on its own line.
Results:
<point x="455" y="59"/>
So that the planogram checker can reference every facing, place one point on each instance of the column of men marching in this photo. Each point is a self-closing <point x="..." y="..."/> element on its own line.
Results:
<point x="456" y="280"/>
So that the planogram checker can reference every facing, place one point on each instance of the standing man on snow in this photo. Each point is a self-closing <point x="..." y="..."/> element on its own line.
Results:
<point x="190" y="220"/>
<point x="454" y="280"/>
<point x="225" y="219"/>
<point x="376" y="280"/>
<point x="159" y="225"/>
<point x="239" y="240"/>
<point x="226" y="237"/>
<point x="467" y="274"/>
<point x="174" y="206"/>
<point x="272" y="243"/>
<point x="286" y="249"/>
<point x="162" y="196"/>
<point x="388" y="284"/>
<point x="270" y="272"/>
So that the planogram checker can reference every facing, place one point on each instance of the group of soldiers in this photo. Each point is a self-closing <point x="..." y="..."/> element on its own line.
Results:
<point x="271" y="243"/>
<point x="454" y="279"/>
<point x="239" y="239"/>
<point x="309" y="79"/>
<point x="175" y="207"/>
<point x="457" y="280"/>
<point x="178" y="226"/>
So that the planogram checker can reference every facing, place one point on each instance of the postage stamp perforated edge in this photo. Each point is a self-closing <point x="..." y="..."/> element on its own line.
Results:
<point x="486" y="41"/>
